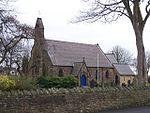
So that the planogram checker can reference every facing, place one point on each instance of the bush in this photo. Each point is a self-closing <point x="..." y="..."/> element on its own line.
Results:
<point x="57" y="82"/>
<point x="6" y="83"/>
<point x="24" y="83"/>
<point x="16" y="83"/>
<point x="21" y="83"/>
<point x="69" y="82"/>
<point x="148" y="85"/>
<point x="43" y="82"/>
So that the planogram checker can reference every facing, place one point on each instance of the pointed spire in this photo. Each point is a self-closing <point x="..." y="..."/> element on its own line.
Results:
<point x="39" y="23"/>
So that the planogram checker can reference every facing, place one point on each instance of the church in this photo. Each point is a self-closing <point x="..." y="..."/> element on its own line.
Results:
<point x="87" y="62"/>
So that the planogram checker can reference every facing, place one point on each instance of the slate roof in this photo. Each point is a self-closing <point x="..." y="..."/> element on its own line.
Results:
<point x="123" y="69"/>
<point x="111" y="58"/>
<point x="64" y="53"/>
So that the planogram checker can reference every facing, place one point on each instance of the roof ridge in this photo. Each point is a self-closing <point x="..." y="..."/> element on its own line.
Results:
<point x="109" y="54"/>
<point x="71" y="42"/>
<point x="120" y="64"/>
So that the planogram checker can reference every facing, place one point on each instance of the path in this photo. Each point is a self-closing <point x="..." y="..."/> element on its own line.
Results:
<point x="130" y="110"/>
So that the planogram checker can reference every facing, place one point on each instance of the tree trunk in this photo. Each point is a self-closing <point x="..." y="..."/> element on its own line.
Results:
<point x="138" y="26"/>
<point x="141" y="65"/>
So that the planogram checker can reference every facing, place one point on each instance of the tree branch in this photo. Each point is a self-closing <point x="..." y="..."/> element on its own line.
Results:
<point x="109" y="11"/>
<point x="127" y="5"/>
<point x="147" y="15"/>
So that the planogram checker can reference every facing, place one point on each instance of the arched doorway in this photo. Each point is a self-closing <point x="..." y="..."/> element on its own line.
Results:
<point x="82" y="80"/>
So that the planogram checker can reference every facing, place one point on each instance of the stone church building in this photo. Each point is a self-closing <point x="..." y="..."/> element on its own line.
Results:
<point x="60" y="58"/>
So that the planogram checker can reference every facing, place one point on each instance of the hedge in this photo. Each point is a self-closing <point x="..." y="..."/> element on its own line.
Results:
<point x="57" y="82"/>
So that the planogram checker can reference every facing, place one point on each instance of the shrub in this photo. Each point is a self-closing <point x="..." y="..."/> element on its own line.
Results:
<point x="43" y="82"/>
<point x="6" y="83"/>
<point x="24" y="83"/>
<point x="57" y="82"/>
<point x="69" y="82"/>
<point x="16" y="83"/>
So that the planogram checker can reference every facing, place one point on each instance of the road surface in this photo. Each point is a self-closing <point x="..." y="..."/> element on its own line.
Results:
<point x="130" y="110"/>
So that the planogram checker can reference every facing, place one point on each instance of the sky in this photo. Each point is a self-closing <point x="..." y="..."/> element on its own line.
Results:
<point x="57" y="14"/>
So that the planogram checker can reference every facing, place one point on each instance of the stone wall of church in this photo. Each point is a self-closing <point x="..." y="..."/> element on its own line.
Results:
<point x="55" y="70"/>
<point x="106" y="75"/>
<point x="107" y="79"/>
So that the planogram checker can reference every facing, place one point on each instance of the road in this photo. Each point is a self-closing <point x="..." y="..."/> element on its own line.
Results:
<point x="130" y="110"/>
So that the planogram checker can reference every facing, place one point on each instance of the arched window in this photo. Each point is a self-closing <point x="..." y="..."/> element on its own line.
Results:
<point x="107" y="74"/>
<point x="96" y="74"/>
<point x="116" y="80"/>
<point x="60" y="73"/>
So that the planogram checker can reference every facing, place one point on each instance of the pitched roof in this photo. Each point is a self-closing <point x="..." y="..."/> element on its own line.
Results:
<point x="66" y="53"/>
<point x="112" y="58"/>
<point x="123" y="69"/>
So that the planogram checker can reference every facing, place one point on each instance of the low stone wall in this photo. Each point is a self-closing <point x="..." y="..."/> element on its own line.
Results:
<point x="76" y="100"/>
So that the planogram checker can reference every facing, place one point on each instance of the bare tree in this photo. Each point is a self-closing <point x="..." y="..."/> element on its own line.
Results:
<point x="15" y="58"/>
<point x="25" y="62"/>
<point x="111" y="10"/>
<point x="148" y="60"/>
<point x="11" y="34"/>
<point x="11" y="30"/>
<point x="147" y="57"/>
<point x="122" y="55"/>
<point x="134" y="64"/>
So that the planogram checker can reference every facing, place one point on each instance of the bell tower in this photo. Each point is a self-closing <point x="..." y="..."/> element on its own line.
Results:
<point x="37" y="54"/>
<point x="39" y="30"/>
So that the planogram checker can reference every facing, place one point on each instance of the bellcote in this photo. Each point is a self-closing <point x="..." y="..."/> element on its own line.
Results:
<point x="39" y="23"/>
<point x="39" y="30"/>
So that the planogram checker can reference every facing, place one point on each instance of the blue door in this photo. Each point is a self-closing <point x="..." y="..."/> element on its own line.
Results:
<point x="82" y="80"/>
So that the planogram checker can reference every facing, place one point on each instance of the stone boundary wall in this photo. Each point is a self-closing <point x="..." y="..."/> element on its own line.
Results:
<point x="77" y="100"/>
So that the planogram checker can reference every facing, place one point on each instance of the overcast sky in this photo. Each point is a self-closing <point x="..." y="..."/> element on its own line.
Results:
<point x="57" y="14"/>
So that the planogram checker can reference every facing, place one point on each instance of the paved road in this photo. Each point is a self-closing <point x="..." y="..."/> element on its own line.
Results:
<point x="130" y="110"/>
